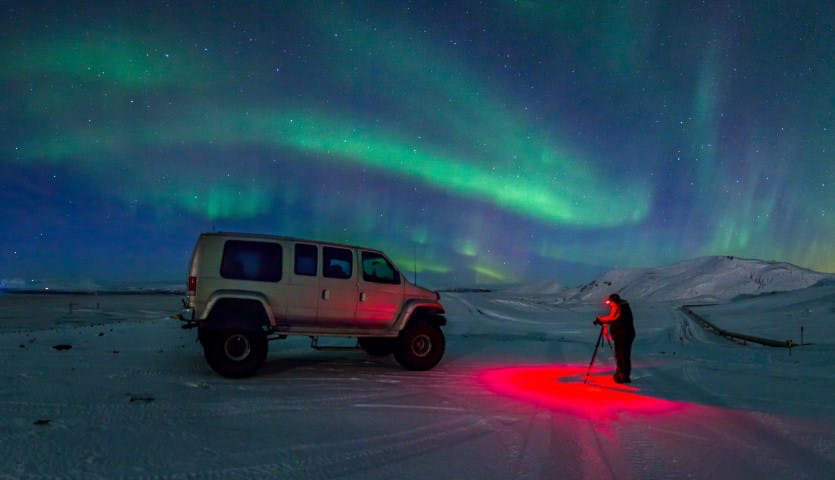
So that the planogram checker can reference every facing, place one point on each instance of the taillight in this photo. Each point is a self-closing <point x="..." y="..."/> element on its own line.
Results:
<point x="192" y="284"/>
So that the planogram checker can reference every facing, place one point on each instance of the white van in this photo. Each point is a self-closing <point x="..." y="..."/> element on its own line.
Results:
<point x="245" y="289"/>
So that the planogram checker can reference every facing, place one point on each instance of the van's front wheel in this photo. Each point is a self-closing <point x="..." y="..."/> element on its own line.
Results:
<point x="235" y="353"/>
<point x="420" y="347"/>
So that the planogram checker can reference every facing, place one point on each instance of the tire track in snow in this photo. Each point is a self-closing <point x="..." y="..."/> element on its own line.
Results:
<point x="648" y="455"/>
<point x="769" y="452"/>
<point x="326" y="460"/>
<point x="115" y="413"/>
<point x="311" y="460"/>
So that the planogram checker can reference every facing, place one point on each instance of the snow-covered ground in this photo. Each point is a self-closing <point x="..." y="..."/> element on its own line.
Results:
<point x="133" y="398"/>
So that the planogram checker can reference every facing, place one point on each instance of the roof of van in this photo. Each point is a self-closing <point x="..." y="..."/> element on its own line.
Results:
<point x="265" y="236"/>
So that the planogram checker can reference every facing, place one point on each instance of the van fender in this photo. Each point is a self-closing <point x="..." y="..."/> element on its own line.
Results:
<point x="420" y="311"/>
<point x="238" y="309"/>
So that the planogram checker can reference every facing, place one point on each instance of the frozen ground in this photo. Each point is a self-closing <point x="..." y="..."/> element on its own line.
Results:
<point x="133" y="397"/>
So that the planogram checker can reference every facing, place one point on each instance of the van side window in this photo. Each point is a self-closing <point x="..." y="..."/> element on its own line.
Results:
<point x="306" y="261"/>
<point x="337" y="262"/>
<point x="247" y="260"/>
<point x="377" y="269"/>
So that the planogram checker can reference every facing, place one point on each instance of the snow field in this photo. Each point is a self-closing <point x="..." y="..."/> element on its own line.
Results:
<point x="133" y="398"/>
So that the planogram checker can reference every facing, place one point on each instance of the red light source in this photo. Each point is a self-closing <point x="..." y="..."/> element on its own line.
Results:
<point x="192" y="284"/>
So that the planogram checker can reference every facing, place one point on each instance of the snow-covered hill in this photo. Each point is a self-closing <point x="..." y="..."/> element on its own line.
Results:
<point x="703" y="279"/>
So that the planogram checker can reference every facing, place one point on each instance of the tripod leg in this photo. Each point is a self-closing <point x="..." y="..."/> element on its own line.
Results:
<point x="593" y="355"/>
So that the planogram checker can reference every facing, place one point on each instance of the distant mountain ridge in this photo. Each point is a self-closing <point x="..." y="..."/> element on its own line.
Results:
<point x="51" y="286"/>
<point x="715" y="278"/>
<point x="704" y="279"/>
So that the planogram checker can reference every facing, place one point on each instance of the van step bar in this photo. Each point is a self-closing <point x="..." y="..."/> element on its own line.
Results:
<point x="314" y="344"/>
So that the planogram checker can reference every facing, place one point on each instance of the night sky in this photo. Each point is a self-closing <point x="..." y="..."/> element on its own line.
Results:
<point x="482" y="142"/>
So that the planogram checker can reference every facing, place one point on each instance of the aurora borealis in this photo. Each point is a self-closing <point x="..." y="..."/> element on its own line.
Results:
<point x="481" y="142"/>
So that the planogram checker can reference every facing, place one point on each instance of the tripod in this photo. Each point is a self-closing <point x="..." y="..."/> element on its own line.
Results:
<point x="594" y="355"/>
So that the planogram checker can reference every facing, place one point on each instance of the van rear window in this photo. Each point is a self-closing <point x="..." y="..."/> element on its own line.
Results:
<point x="246" y="260"/>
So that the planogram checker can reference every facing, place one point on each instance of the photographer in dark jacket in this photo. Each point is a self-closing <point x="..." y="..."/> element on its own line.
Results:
<point x="622" y="330"/>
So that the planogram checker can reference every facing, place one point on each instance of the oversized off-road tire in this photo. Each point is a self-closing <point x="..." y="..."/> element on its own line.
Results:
<point x="235" y="353"/>
<point x="420" y="347"/>
<point x="378" y="346"/>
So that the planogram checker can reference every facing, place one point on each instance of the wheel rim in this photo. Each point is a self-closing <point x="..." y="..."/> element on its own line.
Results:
<point x="421" y="345"/>
<point x="237" y="347"/>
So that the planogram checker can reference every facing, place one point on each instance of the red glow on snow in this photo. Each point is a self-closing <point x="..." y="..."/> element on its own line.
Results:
<point x="562" y="388"/>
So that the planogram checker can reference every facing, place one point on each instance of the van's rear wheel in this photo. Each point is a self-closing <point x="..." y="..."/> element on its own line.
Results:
<point x="420" y="347"/>
<point x="235" y="353"/>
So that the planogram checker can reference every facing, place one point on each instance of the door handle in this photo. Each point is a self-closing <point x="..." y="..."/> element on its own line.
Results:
<point x="362" y="296"/>
<point x="326" y="294"/>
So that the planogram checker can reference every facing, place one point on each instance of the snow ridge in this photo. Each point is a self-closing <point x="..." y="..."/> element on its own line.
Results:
<point x="714" y="278"/>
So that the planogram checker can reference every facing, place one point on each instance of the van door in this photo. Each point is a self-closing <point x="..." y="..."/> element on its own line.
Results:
<point x="337" y="288"/>
<point x="381" y="290"/>
<point x="302" y="286"/>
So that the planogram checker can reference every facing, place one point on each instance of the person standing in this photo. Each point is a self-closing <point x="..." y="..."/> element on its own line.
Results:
<point x="622" y="328"/>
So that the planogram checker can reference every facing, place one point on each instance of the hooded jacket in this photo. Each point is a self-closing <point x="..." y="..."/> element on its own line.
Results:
<point x="620" y="320"/>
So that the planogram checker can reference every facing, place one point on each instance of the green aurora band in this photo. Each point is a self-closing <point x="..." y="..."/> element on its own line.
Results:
<point x="527" y="176"/>
<point x="110" y="102"/>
